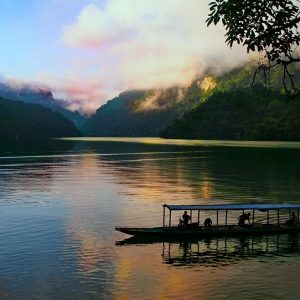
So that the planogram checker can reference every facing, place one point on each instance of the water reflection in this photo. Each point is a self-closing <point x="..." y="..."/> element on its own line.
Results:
<point x="66" y="248"/>
<point x="221" y="251"/>
<point x="221" y="173"/>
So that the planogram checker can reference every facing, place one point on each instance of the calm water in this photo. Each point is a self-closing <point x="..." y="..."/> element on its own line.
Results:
<point x="60" y="201"/>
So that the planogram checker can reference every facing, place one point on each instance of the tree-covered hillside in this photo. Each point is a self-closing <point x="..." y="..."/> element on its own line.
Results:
<point x="27" y="121"/>
<point x="134" y="113"/>
<point x="235" y="110"/>
<point x="144" y="113"/>
<point x="212" y="107"/>
<point x="41" y="97"/>
<point x="241" y="114"/>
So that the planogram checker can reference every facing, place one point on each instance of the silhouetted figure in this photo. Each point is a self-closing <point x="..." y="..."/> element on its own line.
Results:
<point x="207" y="222"/>
<point x="243" y="218"/>
<point x="293" y="220"/>
<point x="185" y="219"/>
<point x="207" y="242"/>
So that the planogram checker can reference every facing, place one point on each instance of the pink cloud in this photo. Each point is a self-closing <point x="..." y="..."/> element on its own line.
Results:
<point x="155" y="43"/>
<point x="94" y="28"/>
<point x="137" y="45"/>
<point x="84" y="95"/>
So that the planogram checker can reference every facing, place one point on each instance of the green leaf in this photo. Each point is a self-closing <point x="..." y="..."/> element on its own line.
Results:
<point x="216" y="20"/>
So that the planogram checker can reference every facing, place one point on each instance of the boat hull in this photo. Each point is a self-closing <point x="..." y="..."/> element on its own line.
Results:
<point x="200" y="231"/>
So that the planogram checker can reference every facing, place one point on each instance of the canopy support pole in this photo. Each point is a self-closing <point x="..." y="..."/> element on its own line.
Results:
<point x="191" y="216"/>
<point x="170" y="218"/>
<point x="278" y="217"/>
<point x="164" y="215"/>
<point x="253" y="216"/>
<point x="226" y="217"/>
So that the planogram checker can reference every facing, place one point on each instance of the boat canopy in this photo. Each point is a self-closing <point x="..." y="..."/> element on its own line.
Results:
<point x="261" y="207"/>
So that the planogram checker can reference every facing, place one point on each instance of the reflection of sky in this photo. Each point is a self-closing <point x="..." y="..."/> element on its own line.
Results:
<point x="31" y="241"/>
<point x="48" y="231"/>
<point x="211" y="269"/>
<point x="57" y="232"/>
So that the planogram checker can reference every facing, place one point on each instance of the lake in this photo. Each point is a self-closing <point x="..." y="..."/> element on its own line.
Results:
<point x="61" y="199"/>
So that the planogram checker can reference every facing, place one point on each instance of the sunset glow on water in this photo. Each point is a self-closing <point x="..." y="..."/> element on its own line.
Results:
<point x="60" y="206"/>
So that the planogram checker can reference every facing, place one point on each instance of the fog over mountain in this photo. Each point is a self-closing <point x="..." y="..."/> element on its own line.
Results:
<point x="40" y="96"/>
<point x="91" y="51"/>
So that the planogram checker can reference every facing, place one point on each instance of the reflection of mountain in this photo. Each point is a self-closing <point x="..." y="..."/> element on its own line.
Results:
<point x="224" y="174"/>
<point x="34" y="172"/>
<point x="222" y="251"/>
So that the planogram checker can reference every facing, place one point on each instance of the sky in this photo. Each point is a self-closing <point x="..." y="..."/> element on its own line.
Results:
<point x="87" y="52"/>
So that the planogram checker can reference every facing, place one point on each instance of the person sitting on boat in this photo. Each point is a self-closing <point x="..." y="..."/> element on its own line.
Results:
<point x="243" y="218"/>
<point x="185" y="219"/>
<point x="207" y="222"/>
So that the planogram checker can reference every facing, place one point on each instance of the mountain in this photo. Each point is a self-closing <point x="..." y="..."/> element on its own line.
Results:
<point x="235" y="110"/>
<point x="41" y="97"/>
<point x="242" y="114"/>
<point x="212" y="107"/>
<point x="142" y="113"/>
<point x="30" y="121"/>
<point x="133" y="113"/>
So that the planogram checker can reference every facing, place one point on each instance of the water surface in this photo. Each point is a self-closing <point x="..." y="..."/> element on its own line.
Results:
<point x="60" y="201"/>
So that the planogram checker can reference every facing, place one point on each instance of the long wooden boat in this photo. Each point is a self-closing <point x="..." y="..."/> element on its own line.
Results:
<point x="286" y="221"/>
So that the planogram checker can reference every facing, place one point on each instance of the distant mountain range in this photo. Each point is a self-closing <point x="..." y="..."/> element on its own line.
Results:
<point x="41" y="97"/>
<point x="19" y="120"/>
<point x="212" y="107"/>
<point x="135" y="113"/>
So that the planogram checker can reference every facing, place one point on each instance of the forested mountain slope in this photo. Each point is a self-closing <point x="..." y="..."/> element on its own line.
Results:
<point x="143" y="113"/>
<point x="212" y="107"/>
<point x="41" y="97"/>
<point x="134" y="113"/>
<point x="242" y="114"/>
<point x="236" y="110"/>
<point x="19" y="120"/>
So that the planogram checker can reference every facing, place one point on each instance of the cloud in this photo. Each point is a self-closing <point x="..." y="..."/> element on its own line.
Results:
<point x="145" y="44"/>
<point x="84" y="95"/>
<point x="91" y="30"/>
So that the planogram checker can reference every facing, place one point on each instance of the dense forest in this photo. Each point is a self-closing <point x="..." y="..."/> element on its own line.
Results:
<point x="242" y="114"/>
<point x="237" y="110"/>
<point x="19" y="120"/>
<point x="130" y="114"/>
<point x="143" y="113"/>
<point x="212" y="107"/>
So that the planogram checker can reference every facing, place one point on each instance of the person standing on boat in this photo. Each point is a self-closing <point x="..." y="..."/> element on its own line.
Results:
<point x="243" y="218"/>
<point x="185" y="218"/>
